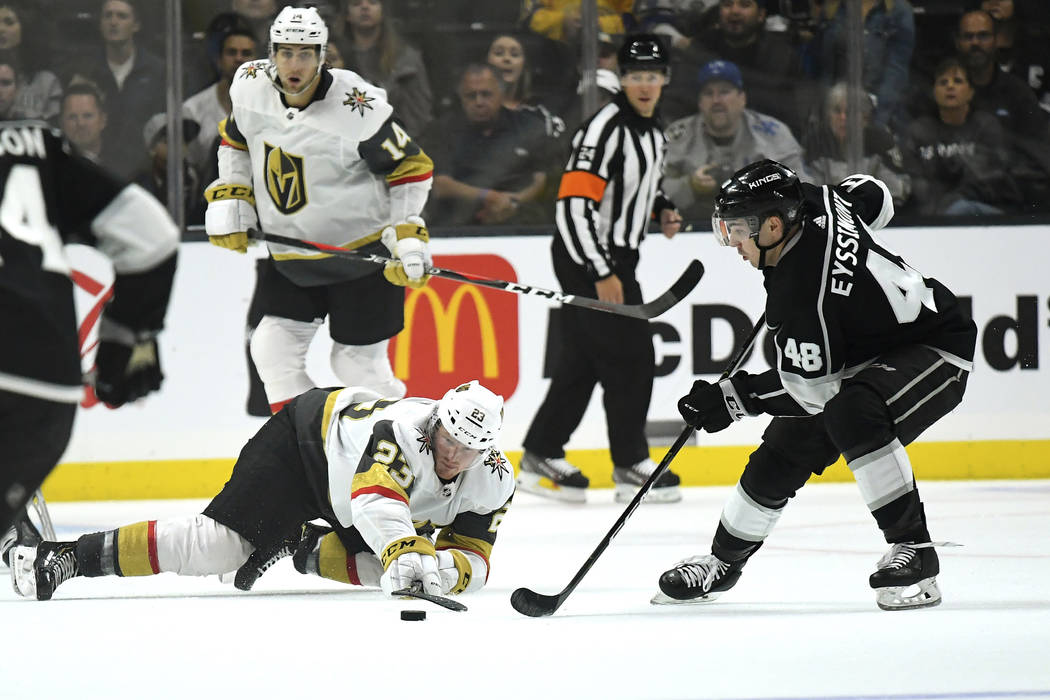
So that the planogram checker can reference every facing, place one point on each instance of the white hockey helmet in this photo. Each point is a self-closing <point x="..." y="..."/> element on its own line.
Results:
<point x="299" y="25"/>
<point x="471" y="414"/>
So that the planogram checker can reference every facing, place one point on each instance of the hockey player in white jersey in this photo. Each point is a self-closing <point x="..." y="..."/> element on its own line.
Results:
<point x="384" y="473"/>
<point x="870" y="353"/>
<point x="318" y="154"/>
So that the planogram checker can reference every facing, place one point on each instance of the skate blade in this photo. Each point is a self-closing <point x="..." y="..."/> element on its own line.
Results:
<point x="663" y="599"/>
<point x="23" y="577"/>
<point x="669" y="494"/>
<point x="924" y="594"/>
<point x="542" y="486"/>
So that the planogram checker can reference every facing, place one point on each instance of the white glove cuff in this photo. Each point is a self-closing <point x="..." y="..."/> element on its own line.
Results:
<point x="734" y="404"/>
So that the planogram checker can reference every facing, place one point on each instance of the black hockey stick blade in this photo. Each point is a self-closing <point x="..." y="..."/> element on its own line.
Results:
<point x="678" y="291"/>
<point x="444" y="602"/>
<point x="533" y="604"/>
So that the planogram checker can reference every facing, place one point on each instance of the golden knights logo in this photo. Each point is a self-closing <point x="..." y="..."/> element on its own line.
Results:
<point x="358" y="101"/>
<point x="285" y="179"/>
<point x="251" y="71"/>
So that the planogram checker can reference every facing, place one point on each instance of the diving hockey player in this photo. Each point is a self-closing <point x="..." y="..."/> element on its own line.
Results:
<point x="51" y="196"/>
<point x="384" y="474"/>
<point x="870" y="353"/>
<point x="319" y="155"/>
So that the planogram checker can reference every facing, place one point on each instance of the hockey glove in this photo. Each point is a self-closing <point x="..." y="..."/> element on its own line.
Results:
<point x="230" y="215"/>
<point x="408" y="243"/>
<point x="712" y="407"/>
<point x="126" y="372"/>
<point x="408" y="562"/>
<point x="456" y="571"/>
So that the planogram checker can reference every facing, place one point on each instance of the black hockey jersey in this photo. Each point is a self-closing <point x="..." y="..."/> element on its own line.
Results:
<point x="838" y="298"/>
<point x="48" y="197"/>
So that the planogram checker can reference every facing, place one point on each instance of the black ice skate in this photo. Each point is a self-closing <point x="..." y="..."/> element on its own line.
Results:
<point x="698" y="579"/>
<point x="38" y="571"/>
<point x="23" y="533"/>
<point x="905" y="576"/>
<point x="629" y="479"/>
<point x="261" y="560"/>
<point x="552" y="477"/>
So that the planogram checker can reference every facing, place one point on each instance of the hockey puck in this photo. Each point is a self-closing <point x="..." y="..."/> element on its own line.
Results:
<point x="413" y="615"/>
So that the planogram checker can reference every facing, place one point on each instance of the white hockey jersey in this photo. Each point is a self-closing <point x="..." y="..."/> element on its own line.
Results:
<point x="381" y="477"/>
<point x="336" y="171"/>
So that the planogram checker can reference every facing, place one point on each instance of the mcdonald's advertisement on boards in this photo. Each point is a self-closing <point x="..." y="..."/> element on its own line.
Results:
<point x="455" y="332"/>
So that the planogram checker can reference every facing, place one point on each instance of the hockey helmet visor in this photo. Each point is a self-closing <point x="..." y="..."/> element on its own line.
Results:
<point x="734" y="230"/>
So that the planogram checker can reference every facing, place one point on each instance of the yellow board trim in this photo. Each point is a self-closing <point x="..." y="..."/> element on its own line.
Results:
<point x="697" y="466"/>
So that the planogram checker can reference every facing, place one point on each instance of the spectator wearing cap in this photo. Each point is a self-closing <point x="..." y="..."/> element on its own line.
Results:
<point x="889" y="41"/>
<point x="234" y="46"/>
<point x="770" y="63"/>
<point x="130" y="78"/>
<point x="154" y="176"/>
<point x="707" y="147"/>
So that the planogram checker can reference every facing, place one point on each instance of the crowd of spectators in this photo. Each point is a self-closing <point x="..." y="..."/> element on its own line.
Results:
<point x="955" y="95"/>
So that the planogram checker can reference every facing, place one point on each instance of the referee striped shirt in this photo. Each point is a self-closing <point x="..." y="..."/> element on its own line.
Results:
<point x="610" y="186"/>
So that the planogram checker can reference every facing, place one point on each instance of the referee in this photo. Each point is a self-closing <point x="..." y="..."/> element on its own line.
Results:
<point x="608" y="193"/>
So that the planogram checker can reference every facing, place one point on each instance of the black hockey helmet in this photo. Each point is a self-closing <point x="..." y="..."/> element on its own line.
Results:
<point x="751" y="195"/>
<point x="643" y="52"/>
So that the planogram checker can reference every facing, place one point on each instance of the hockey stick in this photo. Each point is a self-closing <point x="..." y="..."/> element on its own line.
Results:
<point x="678" y="291"/>
<point x="444" y="602"/>
<point x="533" y="604"/>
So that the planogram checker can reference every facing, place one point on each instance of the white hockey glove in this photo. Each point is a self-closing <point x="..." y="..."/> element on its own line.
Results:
<point x="230" y="215"/>
<point x="456" y="571"/>
<point x="410" y="561"/>
<point x="407" y="242"/>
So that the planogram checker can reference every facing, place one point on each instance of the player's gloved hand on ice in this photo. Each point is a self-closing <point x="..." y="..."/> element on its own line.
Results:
<point x="712" y="407"/>
<point x="126" y="372"/>
<point x="455" y="571"/>
<point x="410" y="561"/>
<point x="408" y="243"/>
<point x="230" y="215"/>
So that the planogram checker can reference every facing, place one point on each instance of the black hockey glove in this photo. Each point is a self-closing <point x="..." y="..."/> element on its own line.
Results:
<point x="126" y="372"/>
<point x="712" y="407"/>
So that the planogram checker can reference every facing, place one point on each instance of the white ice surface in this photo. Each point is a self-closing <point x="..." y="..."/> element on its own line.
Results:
<point x="802" y="622"/>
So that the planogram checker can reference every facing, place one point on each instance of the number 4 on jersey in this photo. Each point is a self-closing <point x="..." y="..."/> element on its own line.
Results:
<point x="23" y="215"/>
<point x="904" y="287"/>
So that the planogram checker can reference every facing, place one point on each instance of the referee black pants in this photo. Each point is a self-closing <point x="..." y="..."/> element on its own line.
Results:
<point x="597" y="348"/>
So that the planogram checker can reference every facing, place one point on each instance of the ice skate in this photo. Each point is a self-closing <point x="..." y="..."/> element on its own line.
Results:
<point x="552" y="477"/>
<point x="699" y="579"/>
<point x="23" y="533"/>
<point x="629" y="479"/>
<point x="38" y="571"/>
<point x="905" y="577"/>
<point x="261" y="560"/>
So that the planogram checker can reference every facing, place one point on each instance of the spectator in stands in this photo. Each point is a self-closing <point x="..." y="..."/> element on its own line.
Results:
<point x="235" y="45"/>
<point x="333" y="55"/>
<point x="40" y="93"/>
<point x="1004" y="95"/>
<point x="490" y="163"/>
<point x="507" y="56"/>
<point x="259" y="14"/>
<point x="83" y="121"/>
<point x="9" y="79"/>
<point x="131" y="80"/>
<point x="889" y="41"/>
<point x="704" y="149"/>
<point x="154" y="176"/>
<point x="959" y="158"/>
<point x="770" y="64"/>
<point x="824" y="146"/>
<point x="1022" y="42"/>
<point x="560" y="19"/>
<point x="373" y="49"/>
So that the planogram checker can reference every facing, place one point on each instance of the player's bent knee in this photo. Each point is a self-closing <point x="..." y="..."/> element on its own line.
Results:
<point x="196" y="545"/>
<point x="856" y="417"/>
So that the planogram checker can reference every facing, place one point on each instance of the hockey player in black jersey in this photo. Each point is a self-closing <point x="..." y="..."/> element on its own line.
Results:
<point x="870" y="353"/>
<point x="49" y="197"/>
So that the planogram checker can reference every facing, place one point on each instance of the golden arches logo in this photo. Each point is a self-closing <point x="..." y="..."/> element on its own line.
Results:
<point x="446" y="318"/>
